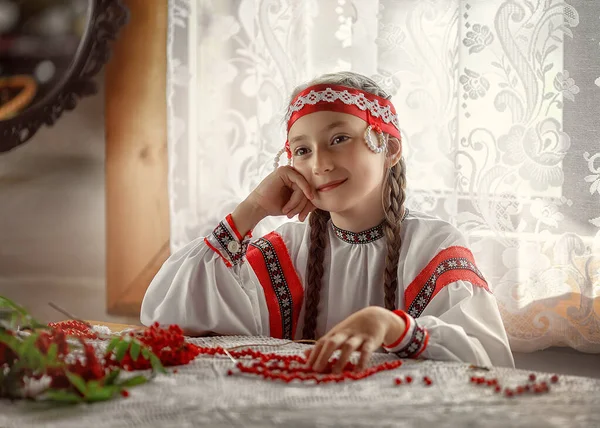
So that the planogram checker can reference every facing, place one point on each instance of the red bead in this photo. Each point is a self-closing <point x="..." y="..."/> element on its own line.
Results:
<point x="408" y="379"/>
<point x="509" y="393"/>
<point x="532" y="377"/>
<point x="554" y="379"/>
<point x="498" y="388"/>
<point x="398" y="381"/>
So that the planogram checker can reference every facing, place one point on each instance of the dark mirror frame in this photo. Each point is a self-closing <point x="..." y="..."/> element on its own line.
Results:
<point x="105" y="19"/>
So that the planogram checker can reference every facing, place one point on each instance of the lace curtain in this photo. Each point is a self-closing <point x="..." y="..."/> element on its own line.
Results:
<point x="497" y="101"/>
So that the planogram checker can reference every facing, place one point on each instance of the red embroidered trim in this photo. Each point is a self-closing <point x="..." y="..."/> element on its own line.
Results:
<point x="407" y="322"/>
<point x="449" y="265"/>
<point x="417" y="344"/>
<point x="227" y="263"/>
<point x="283" y="290"/>
<point x="425" y="343"/>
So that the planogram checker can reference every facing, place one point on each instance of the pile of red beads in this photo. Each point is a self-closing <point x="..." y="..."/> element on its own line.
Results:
<point x="74" y="328"/>
<point x="533" y="387"/>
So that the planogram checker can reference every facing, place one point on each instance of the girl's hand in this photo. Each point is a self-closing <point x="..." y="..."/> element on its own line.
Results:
<point x="364" y="331"/>
<point x="284" y="192"/>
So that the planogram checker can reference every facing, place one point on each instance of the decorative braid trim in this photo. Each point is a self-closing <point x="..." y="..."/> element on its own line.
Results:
<point x="359" y="100"/>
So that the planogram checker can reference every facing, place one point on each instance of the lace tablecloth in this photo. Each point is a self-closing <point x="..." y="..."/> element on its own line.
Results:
<point x="201" y="394"/>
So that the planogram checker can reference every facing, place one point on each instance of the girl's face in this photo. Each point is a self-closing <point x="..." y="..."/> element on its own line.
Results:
<point x="329" y="150"/>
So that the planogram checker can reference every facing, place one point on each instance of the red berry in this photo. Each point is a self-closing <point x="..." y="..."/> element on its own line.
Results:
<point x="498" y="388"/>
<point x="554" y="379"/>
<point x="125" y="393"/>
<point x="398" y="381"/>
<point x="408" y="379"/>
<point x="532" y="377"/>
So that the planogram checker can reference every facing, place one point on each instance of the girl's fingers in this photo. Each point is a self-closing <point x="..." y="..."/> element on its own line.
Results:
<point x="314" y="353"/>
<point x="295" y="177"/>
<point x="306" y="211"/>
<point x="351" y="345"/>
<point x="295" y="200"/>
<point x="328" y="348"/>
<point x="298" y="209"/>
<point x="366" y="351"/>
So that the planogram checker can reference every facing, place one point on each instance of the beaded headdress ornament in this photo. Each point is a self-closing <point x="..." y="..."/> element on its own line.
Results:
<point x="378" y="112"/>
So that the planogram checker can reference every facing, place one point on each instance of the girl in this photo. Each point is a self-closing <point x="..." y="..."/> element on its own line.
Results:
<point x="365" y="272"/>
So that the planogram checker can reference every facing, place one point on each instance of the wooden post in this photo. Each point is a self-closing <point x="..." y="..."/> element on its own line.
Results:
<point x="137" y="201"/>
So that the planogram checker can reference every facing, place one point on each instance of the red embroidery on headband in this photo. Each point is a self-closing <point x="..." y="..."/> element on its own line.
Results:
<point x="376" y="111"/>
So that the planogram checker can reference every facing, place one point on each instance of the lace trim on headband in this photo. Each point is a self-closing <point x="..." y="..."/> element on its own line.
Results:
<point x="359" y="100"/>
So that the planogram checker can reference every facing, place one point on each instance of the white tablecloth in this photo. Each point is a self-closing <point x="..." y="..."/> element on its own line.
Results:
<point x="201" y="394"/>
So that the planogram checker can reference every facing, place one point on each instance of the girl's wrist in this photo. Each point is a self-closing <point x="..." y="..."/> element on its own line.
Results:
<point x="395" y="330"/>
<point x="246" y="216"/>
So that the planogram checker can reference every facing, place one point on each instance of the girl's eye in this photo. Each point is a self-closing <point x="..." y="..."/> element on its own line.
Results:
<point x="300" y="151"/>
<point x="340" y="139"/>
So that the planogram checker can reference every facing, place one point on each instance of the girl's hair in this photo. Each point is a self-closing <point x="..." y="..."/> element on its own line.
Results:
<point x="393" y="201"/>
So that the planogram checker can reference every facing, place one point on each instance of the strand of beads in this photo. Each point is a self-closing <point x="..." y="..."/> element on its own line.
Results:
<point x="287" y="368"/>
<point x="74" y="328"/>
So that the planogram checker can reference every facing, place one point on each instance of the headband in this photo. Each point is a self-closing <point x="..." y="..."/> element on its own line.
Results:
<point x="378" y="112"/>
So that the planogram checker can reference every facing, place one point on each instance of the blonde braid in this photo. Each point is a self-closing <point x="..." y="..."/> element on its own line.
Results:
<point x="314" y="270"/>
<point x="393" y="199"/>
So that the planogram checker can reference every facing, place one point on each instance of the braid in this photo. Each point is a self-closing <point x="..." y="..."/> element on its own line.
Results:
<point x="318" y="241"/>
<point x="393" y="200"/>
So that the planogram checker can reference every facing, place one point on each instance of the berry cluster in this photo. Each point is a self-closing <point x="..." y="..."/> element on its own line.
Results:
<point x="169" y="345"/>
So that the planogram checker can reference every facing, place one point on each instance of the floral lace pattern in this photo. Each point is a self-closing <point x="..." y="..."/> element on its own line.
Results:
<point x="497" y="118"/>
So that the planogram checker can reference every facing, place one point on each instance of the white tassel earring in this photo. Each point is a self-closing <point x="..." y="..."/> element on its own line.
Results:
<point x="382" y="143"/>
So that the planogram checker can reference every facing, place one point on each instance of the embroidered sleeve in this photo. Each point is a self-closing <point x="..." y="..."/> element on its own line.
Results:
<point x="227" y="242"/>
<point x="284" y="294"/>
<point x="449" y="265"/>
<point x="412" y="342"/>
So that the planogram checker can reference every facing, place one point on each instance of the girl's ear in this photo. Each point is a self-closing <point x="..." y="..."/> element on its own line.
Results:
<point x="394" y="151"/>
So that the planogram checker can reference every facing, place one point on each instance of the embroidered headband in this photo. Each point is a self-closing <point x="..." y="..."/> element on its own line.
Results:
<point x="378" y="112"/>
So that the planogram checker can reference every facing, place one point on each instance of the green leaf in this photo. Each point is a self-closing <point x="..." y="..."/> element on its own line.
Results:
<point x="63" y="396"/>
<point x="52" y="352"/>
<point x="111" y="377"/>
<point x="12" y="342"/>
<point x="146" y="353"/>
<point x="135" y="350"/>
<point x="121" y="350"/>
<point x="156" y="364"/>
<point x="77" y="381"/>
<point x="114" y="342"/>
<point x="100" y="394"/>
<point x="133" y="381"/>
<point x="5" y="302"/>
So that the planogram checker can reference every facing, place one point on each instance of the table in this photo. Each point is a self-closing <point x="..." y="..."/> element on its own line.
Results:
<point x="201" y="394"/>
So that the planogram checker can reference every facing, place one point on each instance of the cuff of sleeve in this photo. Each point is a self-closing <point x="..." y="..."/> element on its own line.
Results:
<point x="413" y="341"/>
<point x="226" y="241"/>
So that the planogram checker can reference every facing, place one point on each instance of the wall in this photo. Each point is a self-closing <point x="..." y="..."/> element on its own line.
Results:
<point x="52" y="217"/>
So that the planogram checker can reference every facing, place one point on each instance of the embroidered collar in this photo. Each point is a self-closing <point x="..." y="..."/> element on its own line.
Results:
<point x="365" y="237"/>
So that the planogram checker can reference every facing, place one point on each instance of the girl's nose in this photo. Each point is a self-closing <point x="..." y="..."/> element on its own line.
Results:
<point x="323" y="163"/>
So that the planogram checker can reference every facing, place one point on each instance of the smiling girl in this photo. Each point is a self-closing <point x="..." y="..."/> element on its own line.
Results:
<point x="364" y="273"/>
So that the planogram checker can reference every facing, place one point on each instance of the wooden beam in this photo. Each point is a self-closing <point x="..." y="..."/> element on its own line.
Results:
<point x="137" y="204"/>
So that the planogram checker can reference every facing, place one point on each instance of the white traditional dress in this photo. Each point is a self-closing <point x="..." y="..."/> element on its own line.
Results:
<point x="227" y="284"/>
